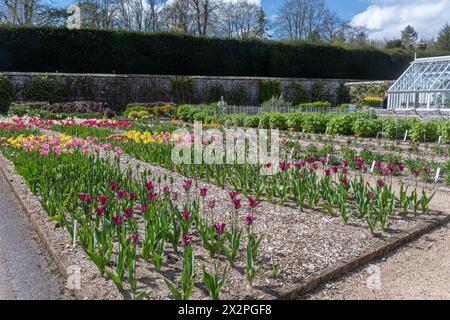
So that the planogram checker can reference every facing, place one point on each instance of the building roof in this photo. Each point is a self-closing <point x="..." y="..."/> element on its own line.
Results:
<point x="425" y="75"/>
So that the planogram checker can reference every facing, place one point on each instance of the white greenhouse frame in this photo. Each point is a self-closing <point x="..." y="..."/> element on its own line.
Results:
<point x="425" y="85"/>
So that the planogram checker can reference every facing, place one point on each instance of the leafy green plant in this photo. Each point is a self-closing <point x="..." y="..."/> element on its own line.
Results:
<point x="424" y="131"/>
<point x="215" y="281"/>
<point x="278" y="121"/>
<point x="342" y="124"/>
<point x="187" y="279"/>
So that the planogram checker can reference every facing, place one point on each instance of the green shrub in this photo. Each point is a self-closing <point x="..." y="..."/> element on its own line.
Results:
<point x="444" y="131"/>
<point x="19" y="110"/>
<point x="314" y="123"/>
<point x="183" y="89"/>
<point x="341" y="124"/>
<point x="134" y="108"/>
<point x="238" y="120"/>
<point x="251" y="121"/>
<point x="268" y="89"/>
<point x="366" y="128"/>
<point x="424" y="131"/>
<point x="229" y="121"/>
<point x="201" y="115"/>
<point x="278" y="120"/>
<point x="210" y="119"/>
<point x="184" y="112"/>
<point x="294" y="121"/>
<point x="7" y="94"/>
<point x="395" y="128"/>
<point x="264" y="121"/>
<point x="45" y="88"/>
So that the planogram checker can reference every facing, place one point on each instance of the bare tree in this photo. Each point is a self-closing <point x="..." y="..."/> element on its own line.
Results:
<point x="179" y="16"/>
<point x="99" y="14"/>
<point x="22" y="12"/>
<point x="154" y="15"/>
<point x="307" y="19"/>
<point x="204" y="12"/>
<point x="241" y="20"/>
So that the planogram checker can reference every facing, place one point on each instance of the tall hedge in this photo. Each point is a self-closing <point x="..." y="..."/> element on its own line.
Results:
<point x="104" y="51"/>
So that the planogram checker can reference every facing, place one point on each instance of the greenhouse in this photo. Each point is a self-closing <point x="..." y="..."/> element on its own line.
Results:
<point x="424" y="85"/>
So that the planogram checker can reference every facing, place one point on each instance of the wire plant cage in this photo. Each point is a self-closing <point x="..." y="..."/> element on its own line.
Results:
<point x="425" y="85"/>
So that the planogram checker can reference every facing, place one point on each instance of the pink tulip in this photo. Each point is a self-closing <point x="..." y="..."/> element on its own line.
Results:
<point x="186" y="240"/>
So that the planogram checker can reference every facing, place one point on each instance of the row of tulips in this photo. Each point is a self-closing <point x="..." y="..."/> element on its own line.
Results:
<point x="314" y="183"/>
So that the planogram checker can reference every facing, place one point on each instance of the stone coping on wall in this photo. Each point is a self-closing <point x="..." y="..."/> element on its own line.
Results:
<point x="112" y="75"/>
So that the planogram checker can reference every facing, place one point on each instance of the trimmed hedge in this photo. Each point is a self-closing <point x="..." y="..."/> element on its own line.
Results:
<point x="47" y="49"/>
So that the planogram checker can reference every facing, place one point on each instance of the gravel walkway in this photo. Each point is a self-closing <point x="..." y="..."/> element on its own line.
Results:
<point x="26" y="272"/>
<point x="420" y="270"/>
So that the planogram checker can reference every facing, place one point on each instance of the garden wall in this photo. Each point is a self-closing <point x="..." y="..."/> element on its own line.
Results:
<point x="119" y="90"/>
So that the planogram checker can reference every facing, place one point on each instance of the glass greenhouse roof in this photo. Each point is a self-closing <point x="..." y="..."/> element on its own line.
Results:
<point x="425" y="84"/>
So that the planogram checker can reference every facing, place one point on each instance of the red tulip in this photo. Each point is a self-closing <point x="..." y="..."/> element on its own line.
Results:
<point x="144" y="208"/>
<point x="249" y="219"/>
<point x="103" y="200"/>
<point x="253" y="203"/>
<point x="128" y="213"/>
<point x="219" y="228"/>
<point x="186" y="240"/>
<point x="203" y="192"/>
<point x="118" y="220"/>
<point x="100" y="211"/>
<point x="152" y="196"/>
<point x="237" y="203"/>
<point x="149" y="186"/>
<point x="121" y="194"/>
<point x="114" y="186"/>
<point x="187" y="185"/>
<point x="380" y="183"/>
<point x="186" y="215"/>
<point x="233" y="194"/>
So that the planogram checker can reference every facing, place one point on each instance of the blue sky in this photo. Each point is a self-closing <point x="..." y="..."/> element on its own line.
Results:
<point x="344" y="8"/>
<point x="384" y="18"/>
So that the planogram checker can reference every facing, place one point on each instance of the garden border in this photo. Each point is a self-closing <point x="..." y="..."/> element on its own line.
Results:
<point x="58" y="256"/>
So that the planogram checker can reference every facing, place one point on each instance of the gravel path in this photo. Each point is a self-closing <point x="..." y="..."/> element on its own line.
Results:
<point x="26" y="272"/>
<point x="420" y="270"/>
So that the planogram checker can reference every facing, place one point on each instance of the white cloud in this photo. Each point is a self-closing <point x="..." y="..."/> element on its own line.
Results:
<point x="386" y="18"/>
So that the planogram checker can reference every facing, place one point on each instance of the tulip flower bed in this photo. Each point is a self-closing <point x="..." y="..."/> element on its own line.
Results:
<point x="159" y="230"/>
<point x="316" y="181"/>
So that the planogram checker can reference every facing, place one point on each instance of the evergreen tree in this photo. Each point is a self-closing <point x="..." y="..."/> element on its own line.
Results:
<point x="409" y="36"/>
<point x="443" y="40"/>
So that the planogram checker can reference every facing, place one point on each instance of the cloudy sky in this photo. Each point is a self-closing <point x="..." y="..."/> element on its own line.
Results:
<point x="384" y="18"/>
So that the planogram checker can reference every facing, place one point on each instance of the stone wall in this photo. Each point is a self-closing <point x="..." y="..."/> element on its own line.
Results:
<point x="119" y="90"/>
